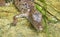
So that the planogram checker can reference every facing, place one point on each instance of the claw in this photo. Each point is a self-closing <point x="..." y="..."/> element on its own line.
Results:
<point x="40" y="28"/>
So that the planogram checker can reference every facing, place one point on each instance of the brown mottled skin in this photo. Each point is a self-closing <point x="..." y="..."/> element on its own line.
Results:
<point x="27" y="9"/>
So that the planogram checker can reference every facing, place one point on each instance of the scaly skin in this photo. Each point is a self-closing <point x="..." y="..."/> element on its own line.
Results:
<point x="27" y="9"/>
